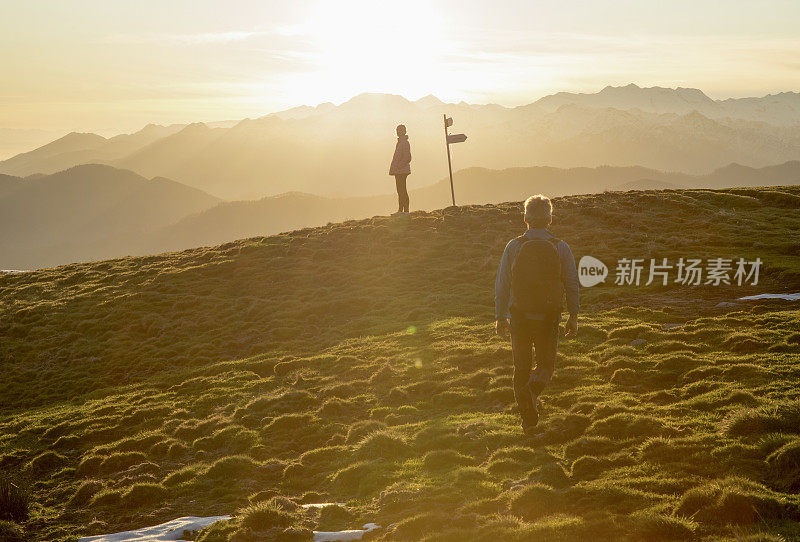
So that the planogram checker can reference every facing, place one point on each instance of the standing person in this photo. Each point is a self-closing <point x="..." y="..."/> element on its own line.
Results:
<point x="535" y="271"/>
<point x="401" y="168"/>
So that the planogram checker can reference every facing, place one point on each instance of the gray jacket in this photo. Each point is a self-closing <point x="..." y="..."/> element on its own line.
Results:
<point x="502" y="285"/>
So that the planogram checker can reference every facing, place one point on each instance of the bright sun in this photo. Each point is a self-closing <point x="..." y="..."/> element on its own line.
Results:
<point x="378" y="46"/>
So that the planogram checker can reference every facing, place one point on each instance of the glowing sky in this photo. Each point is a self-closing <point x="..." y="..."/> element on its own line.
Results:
<point x="115" y="65"/>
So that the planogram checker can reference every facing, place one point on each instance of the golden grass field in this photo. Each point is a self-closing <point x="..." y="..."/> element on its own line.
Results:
<point x="356" y="363"/>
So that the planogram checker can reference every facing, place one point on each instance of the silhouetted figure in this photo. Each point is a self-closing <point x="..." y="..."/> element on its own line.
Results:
<point x="401" y="168"/>
<point x="536" y="270"/>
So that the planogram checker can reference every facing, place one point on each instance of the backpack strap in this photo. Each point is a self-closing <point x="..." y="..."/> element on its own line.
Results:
<point x="524" y="238"/>
<point x="521" y="240"/>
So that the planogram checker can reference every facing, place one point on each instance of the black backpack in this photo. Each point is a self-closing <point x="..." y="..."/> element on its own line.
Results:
<point x="536" y="279"/>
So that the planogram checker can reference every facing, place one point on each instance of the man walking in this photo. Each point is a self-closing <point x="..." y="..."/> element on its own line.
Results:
<point x="535" y="271"/>
<point x="400" y="168"/>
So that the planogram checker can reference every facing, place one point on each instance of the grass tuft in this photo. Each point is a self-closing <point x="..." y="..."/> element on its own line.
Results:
<point x="784" y="466"/>
<point x="11" y="532"/>
<point x="382" y="445"/>
<point x="436" y="460"/>
<point x="139" y="495"/>
<point x="235" y="467"/>
<point x="735" y="501"/>
<point x="622" y="426"/>
<point x="15" y="500"/>
<point x="361" y="429"/>
<point x="45" y="462"/>
<point x="751" y="422"/>
<point x="656" y="527"/>
<point x="535" y="501"/>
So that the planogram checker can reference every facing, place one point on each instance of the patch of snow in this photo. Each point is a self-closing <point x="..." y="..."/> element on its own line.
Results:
<point x="344" y="536"/>
<point x="14" y="271"/>
<point x="786" y="297"/>
<point x="725" y="304"/>
<point x="171" y="530"/>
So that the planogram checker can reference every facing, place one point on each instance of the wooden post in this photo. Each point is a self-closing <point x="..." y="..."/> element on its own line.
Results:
<point x="449" y="164"/>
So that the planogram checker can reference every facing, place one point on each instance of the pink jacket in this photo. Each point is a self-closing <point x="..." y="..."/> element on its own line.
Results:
<point x="401" y="161"/>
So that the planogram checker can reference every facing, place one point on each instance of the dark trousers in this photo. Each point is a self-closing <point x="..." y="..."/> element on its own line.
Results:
<point x="526" y="336"/>
<point x="402" y="193"/>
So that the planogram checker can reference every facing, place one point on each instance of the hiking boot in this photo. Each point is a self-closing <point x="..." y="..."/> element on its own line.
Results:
<point x="530" y="418"/>
<point x="530" y="431"/>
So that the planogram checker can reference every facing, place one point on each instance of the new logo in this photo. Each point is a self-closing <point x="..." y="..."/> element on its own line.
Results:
<point x="591" y="271"/>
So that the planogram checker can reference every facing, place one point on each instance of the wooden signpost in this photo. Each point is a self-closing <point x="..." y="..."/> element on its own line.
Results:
<point x="451" y="138"/>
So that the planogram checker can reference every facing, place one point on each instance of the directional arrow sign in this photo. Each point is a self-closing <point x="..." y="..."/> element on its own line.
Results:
<point x="448" y="138"/>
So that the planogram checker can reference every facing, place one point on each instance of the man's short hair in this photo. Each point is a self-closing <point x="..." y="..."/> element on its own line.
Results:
<point x="538" y="210"/>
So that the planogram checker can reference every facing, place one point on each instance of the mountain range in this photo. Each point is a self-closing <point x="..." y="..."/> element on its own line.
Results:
<point x="54" y="218"/>
<point x="95" y="211"/>
<point x="18" y="140"/>
<point x="344" y="150"/>
<point x="80" y="148"/>
<point x="781" y="109"/>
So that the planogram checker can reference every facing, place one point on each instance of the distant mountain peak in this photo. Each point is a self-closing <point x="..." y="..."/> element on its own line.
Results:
<point x="83" y="171"/>
<point x="73" y="141"/>
<point x="81" y="134"/>
<point x="376" y="98"/>
<point x="636" y="89"/>
<point x="429" y="101"/>
<point x="82" y="137"/>
<point x="96" y="167"/>
<point x="300" y="112"/>
<point x="612" y="88"/>
<point x="678" y="100"/>
<point x="152" y="127"/>
<point x="195" y="127"/>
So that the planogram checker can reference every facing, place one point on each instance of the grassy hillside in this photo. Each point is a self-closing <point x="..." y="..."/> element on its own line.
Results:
<point x="356" y="363"/>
